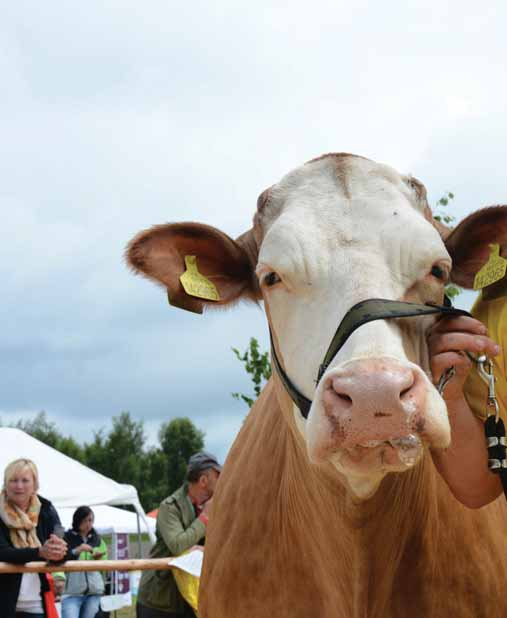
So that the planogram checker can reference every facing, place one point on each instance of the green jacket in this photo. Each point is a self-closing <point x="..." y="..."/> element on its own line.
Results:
<point x="177" y="530"/>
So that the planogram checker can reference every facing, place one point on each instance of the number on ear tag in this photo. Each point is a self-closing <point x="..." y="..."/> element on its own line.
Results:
<point x="492" y="271"/>
<point x="196" y="284"/>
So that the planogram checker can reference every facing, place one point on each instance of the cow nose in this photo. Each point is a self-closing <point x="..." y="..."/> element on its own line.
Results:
<point x="373" y="399"/>
<point x="369" y="384"/>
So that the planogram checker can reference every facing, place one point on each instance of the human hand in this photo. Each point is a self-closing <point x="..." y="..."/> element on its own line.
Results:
<point x="448" y="341"/>
<point x="59" y="587"/>
<point x="83" y="547"/>
<point x="97" y="555"/>
<point x="206" y="507"/>
<point x="54" y="549"/>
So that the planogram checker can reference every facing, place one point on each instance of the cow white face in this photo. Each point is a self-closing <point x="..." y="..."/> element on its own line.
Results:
<point x="336" y="231"/>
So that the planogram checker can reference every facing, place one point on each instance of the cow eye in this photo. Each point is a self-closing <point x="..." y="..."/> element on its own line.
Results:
<point x="438" y="272"/>
<point x="271" y="279"/>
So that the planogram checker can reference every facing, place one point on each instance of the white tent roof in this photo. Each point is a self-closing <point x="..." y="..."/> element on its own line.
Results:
<point x="108" y="519"/>
<point x="65" y="481"/>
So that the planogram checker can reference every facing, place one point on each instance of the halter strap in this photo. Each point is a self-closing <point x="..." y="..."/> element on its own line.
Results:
<point x="361" y="313"/>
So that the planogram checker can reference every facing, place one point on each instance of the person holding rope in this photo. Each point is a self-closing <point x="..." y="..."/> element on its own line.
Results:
<point x="478" y="246"/>
<point x="464" y="465"/>
<point x="27" y="525"/>
<point x="181" y="523"/>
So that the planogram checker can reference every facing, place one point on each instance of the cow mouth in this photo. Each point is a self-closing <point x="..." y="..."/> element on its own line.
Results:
<point x="396" y="454"/>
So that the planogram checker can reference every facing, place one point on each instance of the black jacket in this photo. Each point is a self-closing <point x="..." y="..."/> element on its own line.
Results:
<point x="74" y="539"/>
<point x="10" y="583"/>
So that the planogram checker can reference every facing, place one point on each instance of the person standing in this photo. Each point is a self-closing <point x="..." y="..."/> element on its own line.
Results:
<point x="181" y="523"/>
<point x="83" y="589"/>
<point x="27" y="525"/>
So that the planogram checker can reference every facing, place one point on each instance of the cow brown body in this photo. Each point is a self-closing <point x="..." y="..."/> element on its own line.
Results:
<point x="286" y="540"/>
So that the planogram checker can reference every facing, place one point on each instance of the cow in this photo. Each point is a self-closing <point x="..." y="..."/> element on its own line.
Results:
<point x="342" y="514"/>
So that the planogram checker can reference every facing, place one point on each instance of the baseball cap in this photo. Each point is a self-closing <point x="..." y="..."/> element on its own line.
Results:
<point x="199" y="462"/>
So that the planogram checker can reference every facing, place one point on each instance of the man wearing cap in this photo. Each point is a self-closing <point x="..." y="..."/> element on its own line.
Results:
<point x="181" y="523"/>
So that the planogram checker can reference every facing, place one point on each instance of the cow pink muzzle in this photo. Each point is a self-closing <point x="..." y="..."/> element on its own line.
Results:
<point x="374" y="412"/>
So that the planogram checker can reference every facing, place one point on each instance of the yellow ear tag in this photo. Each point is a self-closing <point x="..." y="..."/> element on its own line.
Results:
<point x="492" y="271"/>
<point x="196" y="284"/>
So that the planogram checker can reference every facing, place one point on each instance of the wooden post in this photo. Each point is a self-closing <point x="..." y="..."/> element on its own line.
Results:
<point x="87" y="565"/>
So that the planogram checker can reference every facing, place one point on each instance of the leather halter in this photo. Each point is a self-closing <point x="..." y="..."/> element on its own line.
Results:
<point x="361" y="313"/>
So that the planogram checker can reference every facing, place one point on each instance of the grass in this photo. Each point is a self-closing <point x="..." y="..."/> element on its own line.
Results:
<point x="126" y="612"/>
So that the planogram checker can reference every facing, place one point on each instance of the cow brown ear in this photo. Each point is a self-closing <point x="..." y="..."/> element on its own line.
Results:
<point x="159" y="254"/>
<point x="468" y="243"/>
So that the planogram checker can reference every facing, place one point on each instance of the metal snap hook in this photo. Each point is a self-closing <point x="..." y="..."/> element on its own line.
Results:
<point x="485" y="371"/>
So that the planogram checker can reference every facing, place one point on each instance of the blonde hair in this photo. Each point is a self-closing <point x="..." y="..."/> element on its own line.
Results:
<point x="17" y="466"/>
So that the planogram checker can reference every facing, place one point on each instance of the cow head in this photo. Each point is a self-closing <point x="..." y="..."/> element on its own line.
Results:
<point x="333" y="232"/>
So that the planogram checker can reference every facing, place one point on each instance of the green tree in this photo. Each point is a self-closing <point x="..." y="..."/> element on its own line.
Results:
<point x="154" y="486"/>
<point x="440" y="214"/>
<point x="179" y="439"/>
<point x="258" y="366"/>
<point x="70" y="447"/>
<point x="119" y="454"/>
<point x="95" y="453"/>
<point x="41" y="428"/>
<point x="443" y="202"/>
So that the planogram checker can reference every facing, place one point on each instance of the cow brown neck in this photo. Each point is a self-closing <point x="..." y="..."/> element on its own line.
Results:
<point x="285" y="497"/>
<point x="308" y="547"/>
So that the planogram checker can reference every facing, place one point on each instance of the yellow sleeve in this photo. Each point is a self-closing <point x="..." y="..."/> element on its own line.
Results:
<point x="493" y="314"/>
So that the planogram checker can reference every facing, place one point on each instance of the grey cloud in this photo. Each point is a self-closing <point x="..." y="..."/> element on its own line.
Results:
<point x="118" y="116"/>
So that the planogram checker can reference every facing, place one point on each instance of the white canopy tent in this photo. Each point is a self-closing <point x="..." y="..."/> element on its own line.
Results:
<point x="66" y="482"/>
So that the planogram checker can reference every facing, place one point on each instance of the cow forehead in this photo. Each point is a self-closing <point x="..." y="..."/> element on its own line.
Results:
<point x="347" y="176"/>
<point x="351" y="202"/>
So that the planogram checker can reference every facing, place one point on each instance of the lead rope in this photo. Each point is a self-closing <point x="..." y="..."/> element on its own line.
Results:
<point x="494" y="427"/>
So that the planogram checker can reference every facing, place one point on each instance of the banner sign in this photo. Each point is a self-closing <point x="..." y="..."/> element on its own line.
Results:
<point x="122" y="553"/>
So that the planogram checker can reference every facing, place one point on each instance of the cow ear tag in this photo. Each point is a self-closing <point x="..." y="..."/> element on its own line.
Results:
<point x="196" y="284"/>
<point x="494" y="269"/>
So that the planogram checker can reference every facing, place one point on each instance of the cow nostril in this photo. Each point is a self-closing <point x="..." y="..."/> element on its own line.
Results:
<point x="405" y="392"/>
<point x="344" y="397"/>
<point x="410" y="381"/>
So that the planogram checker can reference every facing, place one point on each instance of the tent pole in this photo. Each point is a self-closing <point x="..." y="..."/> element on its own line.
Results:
<point x="139" y="544"/>
<point x="140" y="513"/>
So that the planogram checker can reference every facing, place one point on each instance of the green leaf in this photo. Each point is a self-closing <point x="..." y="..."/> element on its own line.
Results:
<point x="258" y="366"/>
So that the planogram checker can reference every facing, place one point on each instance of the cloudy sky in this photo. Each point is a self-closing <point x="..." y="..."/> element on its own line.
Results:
<point x="118" y="115"/>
